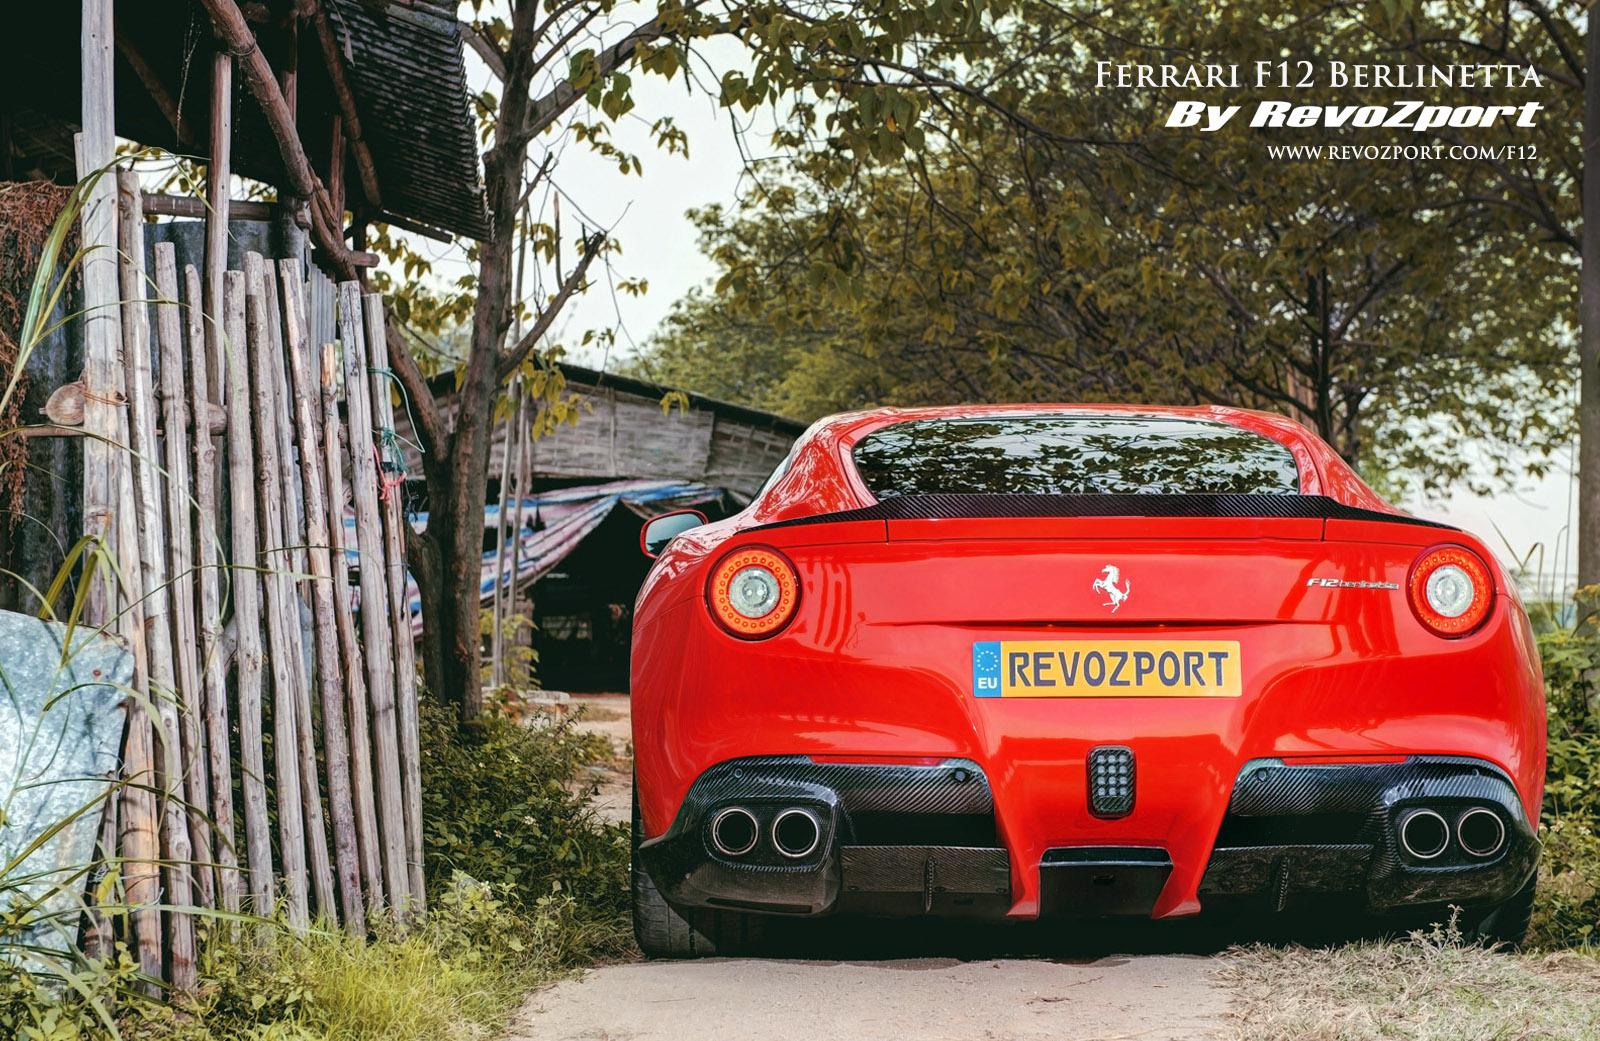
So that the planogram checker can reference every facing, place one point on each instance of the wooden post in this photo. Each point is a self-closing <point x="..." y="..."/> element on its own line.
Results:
<point x="208" y="551"/>
<point x="218" y="174"/>
<point x="298" y="614"/>
<point x="152" y="538"/>
<point x="246" y="589"/>
<point x="520" y="483"/>
<point x="102" y="320"/>
<point x="405" y="656"/>
<point x="497" y="666"/>
<point x="102" y="479"/>
<point x="377" y="636"/>
<point x="175" y="445"/>
<point x="277" y="583"/>
<point x="368" y="842"/>
<point x="306" y="395"/>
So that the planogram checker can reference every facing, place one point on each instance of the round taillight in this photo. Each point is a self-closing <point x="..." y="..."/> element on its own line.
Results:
<point x="1451" y="590"/>
<point x="753" y="592"/>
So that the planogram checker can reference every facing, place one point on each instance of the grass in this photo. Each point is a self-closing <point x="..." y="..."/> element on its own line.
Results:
<point x="456" y="976"/>
<point x="1431" y="987"/>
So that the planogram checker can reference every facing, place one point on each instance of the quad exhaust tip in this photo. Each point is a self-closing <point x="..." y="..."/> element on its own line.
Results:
<point x="1424" y="834"/>
<point x="1481" y="832"/>
<point x="796" y="833"/>
<point x="734" y="831"/>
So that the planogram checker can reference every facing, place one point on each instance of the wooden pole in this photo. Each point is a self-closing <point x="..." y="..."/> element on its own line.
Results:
<point x="520" y="482"/>
<point x="102" y="377"/>
<point x="405" y="657"/>
<point x="102" y="320"/>
<point x="299" y="615"/>
<point x="154" y="605"/>
<point x="368" y="842"/>
<point x="218" y="174"/>
<point x="235" y="33"/>
<point x="175" y="446"/>
<point x="497" y="670"/>
<point x="276" y="581"/>
<point x="208" y="551"/>
<point x="306" y="395"/>
<point x="246" y="588"/>
<point x="377" y="636"/>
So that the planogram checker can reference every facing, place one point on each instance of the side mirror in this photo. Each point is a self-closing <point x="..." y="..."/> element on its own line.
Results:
<point x="658" y="531"/>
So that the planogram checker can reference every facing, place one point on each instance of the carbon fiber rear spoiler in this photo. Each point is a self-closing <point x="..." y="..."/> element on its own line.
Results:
<point x="939" y="507"/>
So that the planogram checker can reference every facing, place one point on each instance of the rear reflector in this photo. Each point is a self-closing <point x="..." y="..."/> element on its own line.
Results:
<point x="1110" y="781"/>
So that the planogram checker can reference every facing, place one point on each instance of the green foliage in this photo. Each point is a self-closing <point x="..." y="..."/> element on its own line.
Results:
<point x="455" y="976"/>
<point x="503" y="803"/>
<point x="1055" y="241"/>
<point x="1569" y="894"/>
<point x="68" y="1005"/>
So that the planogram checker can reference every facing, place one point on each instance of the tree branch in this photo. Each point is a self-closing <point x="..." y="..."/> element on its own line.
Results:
<point x="486" y="49"/>
<point x="514" y="357"/>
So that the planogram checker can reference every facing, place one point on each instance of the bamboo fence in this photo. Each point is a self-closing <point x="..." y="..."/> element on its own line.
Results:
<point x="250" y="452"/>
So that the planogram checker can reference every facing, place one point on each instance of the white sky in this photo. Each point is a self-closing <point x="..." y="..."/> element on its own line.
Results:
<point x="647" y="215"/>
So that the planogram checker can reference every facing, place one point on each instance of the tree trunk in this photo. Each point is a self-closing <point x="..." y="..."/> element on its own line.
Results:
<point x="1589" y="306"/>
<point x="423" y="555"/>
<point x="460" y="539"/>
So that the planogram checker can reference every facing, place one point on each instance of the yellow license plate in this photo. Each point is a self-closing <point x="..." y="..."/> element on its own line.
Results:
<point x="1105" y="669"/>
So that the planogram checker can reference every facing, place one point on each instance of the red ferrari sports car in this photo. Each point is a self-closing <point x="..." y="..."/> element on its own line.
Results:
<point x="1027" y="661"/>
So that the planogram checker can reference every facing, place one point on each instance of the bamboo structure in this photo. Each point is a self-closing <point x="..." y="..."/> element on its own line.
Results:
<point x="368" y="843"/>
<point x="377" y="636"/>
<point x="230" y="886"/>
<point x="258" y="627"/>
<point x="246" y="592"/>
<point x="307" y="397"/>
<point x="235" y="469"/>
<point x="151" y="607"/>
<point x="405" y="694"/>
<point x="185" y="637"/>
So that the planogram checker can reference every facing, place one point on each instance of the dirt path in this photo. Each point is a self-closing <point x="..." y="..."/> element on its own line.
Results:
<point x="889" y="997"/>
<point x="1152" y="998"/>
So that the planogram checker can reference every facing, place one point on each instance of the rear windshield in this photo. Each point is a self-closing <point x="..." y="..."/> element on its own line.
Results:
<point x="1073" y="455"/>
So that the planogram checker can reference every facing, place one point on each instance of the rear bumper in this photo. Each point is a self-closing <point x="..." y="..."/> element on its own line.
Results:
<point x="922" y="838"/>
<point x="1302" y="831"/>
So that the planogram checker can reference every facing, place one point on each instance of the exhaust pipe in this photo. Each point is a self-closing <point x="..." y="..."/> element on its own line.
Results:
<point x="1424" y="834"/>
<point x="1481" y="832"/>
<point x="734" y="831"/>
<point x="796" y="833"/>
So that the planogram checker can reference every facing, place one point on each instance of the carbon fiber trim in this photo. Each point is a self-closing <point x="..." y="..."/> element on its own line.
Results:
<point x="984" y="505"/>
<point x="932" y="869"/>
<point x="1317" y="828"/>
<point x="954" y="786"/>
<point x="856" y="803"/>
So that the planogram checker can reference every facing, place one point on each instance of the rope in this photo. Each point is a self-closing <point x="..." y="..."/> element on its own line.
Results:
<point x="392" y="470"/>
<point x="405" y="399"/>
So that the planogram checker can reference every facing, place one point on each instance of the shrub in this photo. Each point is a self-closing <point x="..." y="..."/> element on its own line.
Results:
<point x="1569" y="886"/>
<point x="502" y="804"/>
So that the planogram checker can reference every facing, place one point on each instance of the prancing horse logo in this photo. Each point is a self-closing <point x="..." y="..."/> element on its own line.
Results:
<point x="1107" y="584"/>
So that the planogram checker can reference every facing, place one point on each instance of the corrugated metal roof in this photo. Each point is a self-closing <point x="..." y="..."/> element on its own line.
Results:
<point x="406" y="69"/>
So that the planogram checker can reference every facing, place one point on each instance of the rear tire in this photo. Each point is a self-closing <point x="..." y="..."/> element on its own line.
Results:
<point x="662" y="932"/>
<point x="1506" y="924"/>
